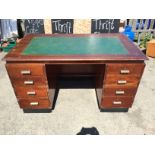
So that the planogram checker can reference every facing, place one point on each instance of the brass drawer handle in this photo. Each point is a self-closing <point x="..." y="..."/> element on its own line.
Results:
<point x="28" y="82"/>
<point x="119" y="92"/>
<point x="31" y="93"/>
<point x="34" y="103"/>
<point x="117" y="102"/>
<point x="25" y="72"/>
<point x="125" y="71"/>
<point x="121" y="81"/>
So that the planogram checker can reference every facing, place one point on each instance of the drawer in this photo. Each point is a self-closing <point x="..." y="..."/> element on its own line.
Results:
<point x="31" y="82"/>
<point x="125" y="69"/>
<point x="118" y="91"/>
<point x="126" y="81"/>
<point x="116" y="102"/>
<point x="34" y="103"/>
<point x="25" y="70"/>
<point x="23" y="92"/>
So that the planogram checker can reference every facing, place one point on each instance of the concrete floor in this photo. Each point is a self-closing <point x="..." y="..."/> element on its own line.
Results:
<point x="80" y="110"/>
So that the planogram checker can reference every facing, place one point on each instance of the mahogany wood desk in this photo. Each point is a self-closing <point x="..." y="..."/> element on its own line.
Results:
<point x="37" y="62"/>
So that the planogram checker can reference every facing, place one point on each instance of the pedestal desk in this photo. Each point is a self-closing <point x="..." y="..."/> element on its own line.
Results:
<point x="36" y="63"/>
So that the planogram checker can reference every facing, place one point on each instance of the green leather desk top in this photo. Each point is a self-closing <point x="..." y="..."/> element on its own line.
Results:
<point x="75" y="45"/>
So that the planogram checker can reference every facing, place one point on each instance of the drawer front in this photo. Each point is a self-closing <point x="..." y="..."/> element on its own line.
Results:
<point x="24" y="92"/>
<point x="25" y="70"/>
<point x="116" y="102"/>
<point x="127" y="80"/>
<point x="34" y="103"/>
<point x="125" y="69"/>
<point x="118" y="91"/>
<point x="31" y="82"/>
